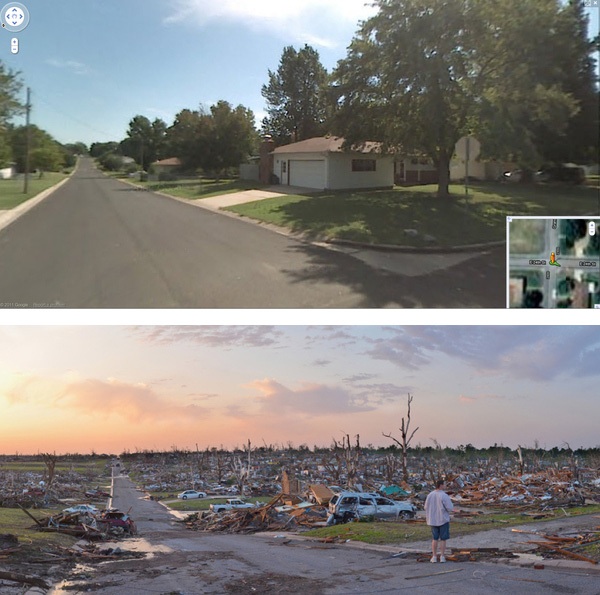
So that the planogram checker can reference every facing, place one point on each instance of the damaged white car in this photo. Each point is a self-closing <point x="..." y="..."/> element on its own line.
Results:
<point x="346" y="506"/>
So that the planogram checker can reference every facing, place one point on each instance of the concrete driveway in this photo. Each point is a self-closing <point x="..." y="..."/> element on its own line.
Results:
<point x="238" y="198"/>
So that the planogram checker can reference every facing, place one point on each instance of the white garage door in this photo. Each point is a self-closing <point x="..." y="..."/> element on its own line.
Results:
<point x="310" y="174"/>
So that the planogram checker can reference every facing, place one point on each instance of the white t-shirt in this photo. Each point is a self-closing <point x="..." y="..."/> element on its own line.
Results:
<point x="438" y="507"/>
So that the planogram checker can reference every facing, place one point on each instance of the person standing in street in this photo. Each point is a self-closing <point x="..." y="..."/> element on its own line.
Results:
<point x="438" y="507"/>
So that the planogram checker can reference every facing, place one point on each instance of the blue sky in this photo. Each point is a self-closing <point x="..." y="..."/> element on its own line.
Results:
<point x="94" y="64"/>
<point x="122" y="387"/>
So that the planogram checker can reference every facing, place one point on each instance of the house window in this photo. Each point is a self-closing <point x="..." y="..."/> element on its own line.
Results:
<point x="364" y="165"/>
<point x="283" y="167"/>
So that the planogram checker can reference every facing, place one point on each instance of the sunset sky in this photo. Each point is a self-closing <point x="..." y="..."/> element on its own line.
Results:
<point x="113" y="388"/>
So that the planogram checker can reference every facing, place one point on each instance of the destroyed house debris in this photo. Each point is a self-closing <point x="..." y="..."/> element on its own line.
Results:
<point x="550" y="488"/>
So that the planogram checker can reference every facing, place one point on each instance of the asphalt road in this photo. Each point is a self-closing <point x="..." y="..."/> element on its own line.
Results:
<point x="100" y="243"/>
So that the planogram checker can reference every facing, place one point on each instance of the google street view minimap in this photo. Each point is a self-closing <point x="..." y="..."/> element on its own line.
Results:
<point x="553" y="262"/>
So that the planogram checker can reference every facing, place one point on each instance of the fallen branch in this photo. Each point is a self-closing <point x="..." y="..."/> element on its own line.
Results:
<point x="21" y="578"/>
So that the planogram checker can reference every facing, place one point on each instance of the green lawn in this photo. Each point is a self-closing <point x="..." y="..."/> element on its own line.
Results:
<point x="195" y="189"/>
<point x="382" y="216"/>
<point x="15" y="521"/>
<point x="11" y="191"/>
<point x="398" y="532"/>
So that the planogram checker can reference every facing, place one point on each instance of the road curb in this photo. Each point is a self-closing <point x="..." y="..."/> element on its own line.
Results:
<point x="10" y="216"/>
<point x="415" y="249"/>
<point x="305" y="237"/>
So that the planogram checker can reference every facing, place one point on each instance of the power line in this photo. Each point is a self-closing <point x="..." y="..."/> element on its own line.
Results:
<point x="74" y="119"/>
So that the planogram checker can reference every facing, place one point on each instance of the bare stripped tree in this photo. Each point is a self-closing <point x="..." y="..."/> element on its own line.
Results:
<point x="390" y="468"/>
<point x="50" y="461"/>
<point x="351" y="455"/>
<point x="241" y="474"/>
<point x="405" y="438"/>
<point x="333" y="463"/>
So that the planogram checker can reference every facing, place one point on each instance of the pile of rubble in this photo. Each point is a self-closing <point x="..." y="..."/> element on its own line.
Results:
<point x="28" y="489"/>
<point x="280" y="514"/>
<point x="89" y="524"/>
<point x="551" y="488"/>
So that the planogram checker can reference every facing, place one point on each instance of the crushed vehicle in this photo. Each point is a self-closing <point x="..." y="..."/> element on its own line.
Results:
<point x="81" y="509"/>
<point x="191" y="494"/>
<point x="346" y="506"/>
<point x="97" y="493"/>
<point x="115" y="521"/>
<point x="231" y="504"/>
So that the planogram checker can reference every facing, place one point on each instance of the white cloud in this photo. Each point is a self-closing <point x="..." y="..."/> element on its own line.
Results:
<point x="316" y="22"/>
<point x="72" y="65"/>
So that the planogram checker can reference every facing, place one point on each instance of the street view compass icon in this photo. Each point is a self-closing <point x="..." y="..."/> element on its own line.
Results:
<point x="15" y="17"/>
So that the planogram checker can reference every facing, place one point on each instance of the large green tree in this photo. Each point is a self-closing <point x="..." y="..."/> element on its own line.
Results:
<point x="422" y="73"/>
<point x="145" y="140"/>
<point x="10" y="87"/>
<point x="296" y="96"/>
<point x="215" y="141"/>
<point x="187" y="138"/>
<point x="10" y="105"/>
<point x="99" y="149"/>
<point x="574" y="59"/>
<point x="45" y="153"/>
<point x="232" y="136"/>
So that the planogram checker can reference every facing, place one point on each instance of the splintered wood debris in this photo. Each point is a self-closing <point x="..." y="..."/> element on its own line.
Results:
<point x="564" y="546"/>
<point x="551" y="488"/>
<point x="269" y="517"/>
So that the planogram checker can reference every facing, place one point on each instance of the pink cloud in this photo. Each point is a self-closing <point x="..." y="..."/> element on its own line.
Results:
<point x="310" y="399"/>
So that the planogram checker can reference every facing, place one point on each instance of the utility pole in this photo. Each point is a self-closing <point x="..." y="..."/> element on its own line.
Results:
<point x="27" y="142"/>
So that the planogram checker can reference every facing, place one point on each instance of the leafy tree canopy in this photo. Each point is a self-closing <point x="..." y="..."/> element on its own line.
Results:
<point x="145" y="140"/>
<point x="422" y="73"/>
<point x="10" y="88"/>
<point x="296" y="96"/>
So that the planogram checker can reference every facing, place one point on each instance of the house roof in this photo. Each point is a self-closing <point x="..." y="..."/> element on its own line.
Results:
<point x="326" y="144"/>
<point x="169" y="161"/>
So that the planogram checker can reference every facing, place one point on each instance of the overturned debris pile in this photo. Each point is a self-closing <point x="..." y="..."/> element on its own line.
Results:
<point x="551" y="488"/>
<point x="276" y="515"/>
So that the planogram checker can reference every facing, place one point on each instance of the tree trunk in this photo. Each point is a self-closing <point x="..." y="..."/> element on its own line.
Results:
<point x="443" y="175"/>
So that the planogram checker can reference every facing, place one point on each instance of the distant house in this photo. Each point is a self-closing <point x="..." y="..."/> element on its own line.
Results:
<point x="170" y="165"/>
<point x="414" y="170"/>
<point x="8" y="173"/>
<point x="321" y="163"/>
<point x="479" y="170"/>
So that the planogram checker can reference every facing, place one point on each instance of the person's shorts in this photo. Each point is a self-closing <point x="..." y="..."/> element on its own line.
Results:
<point x="442" y="532"/>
